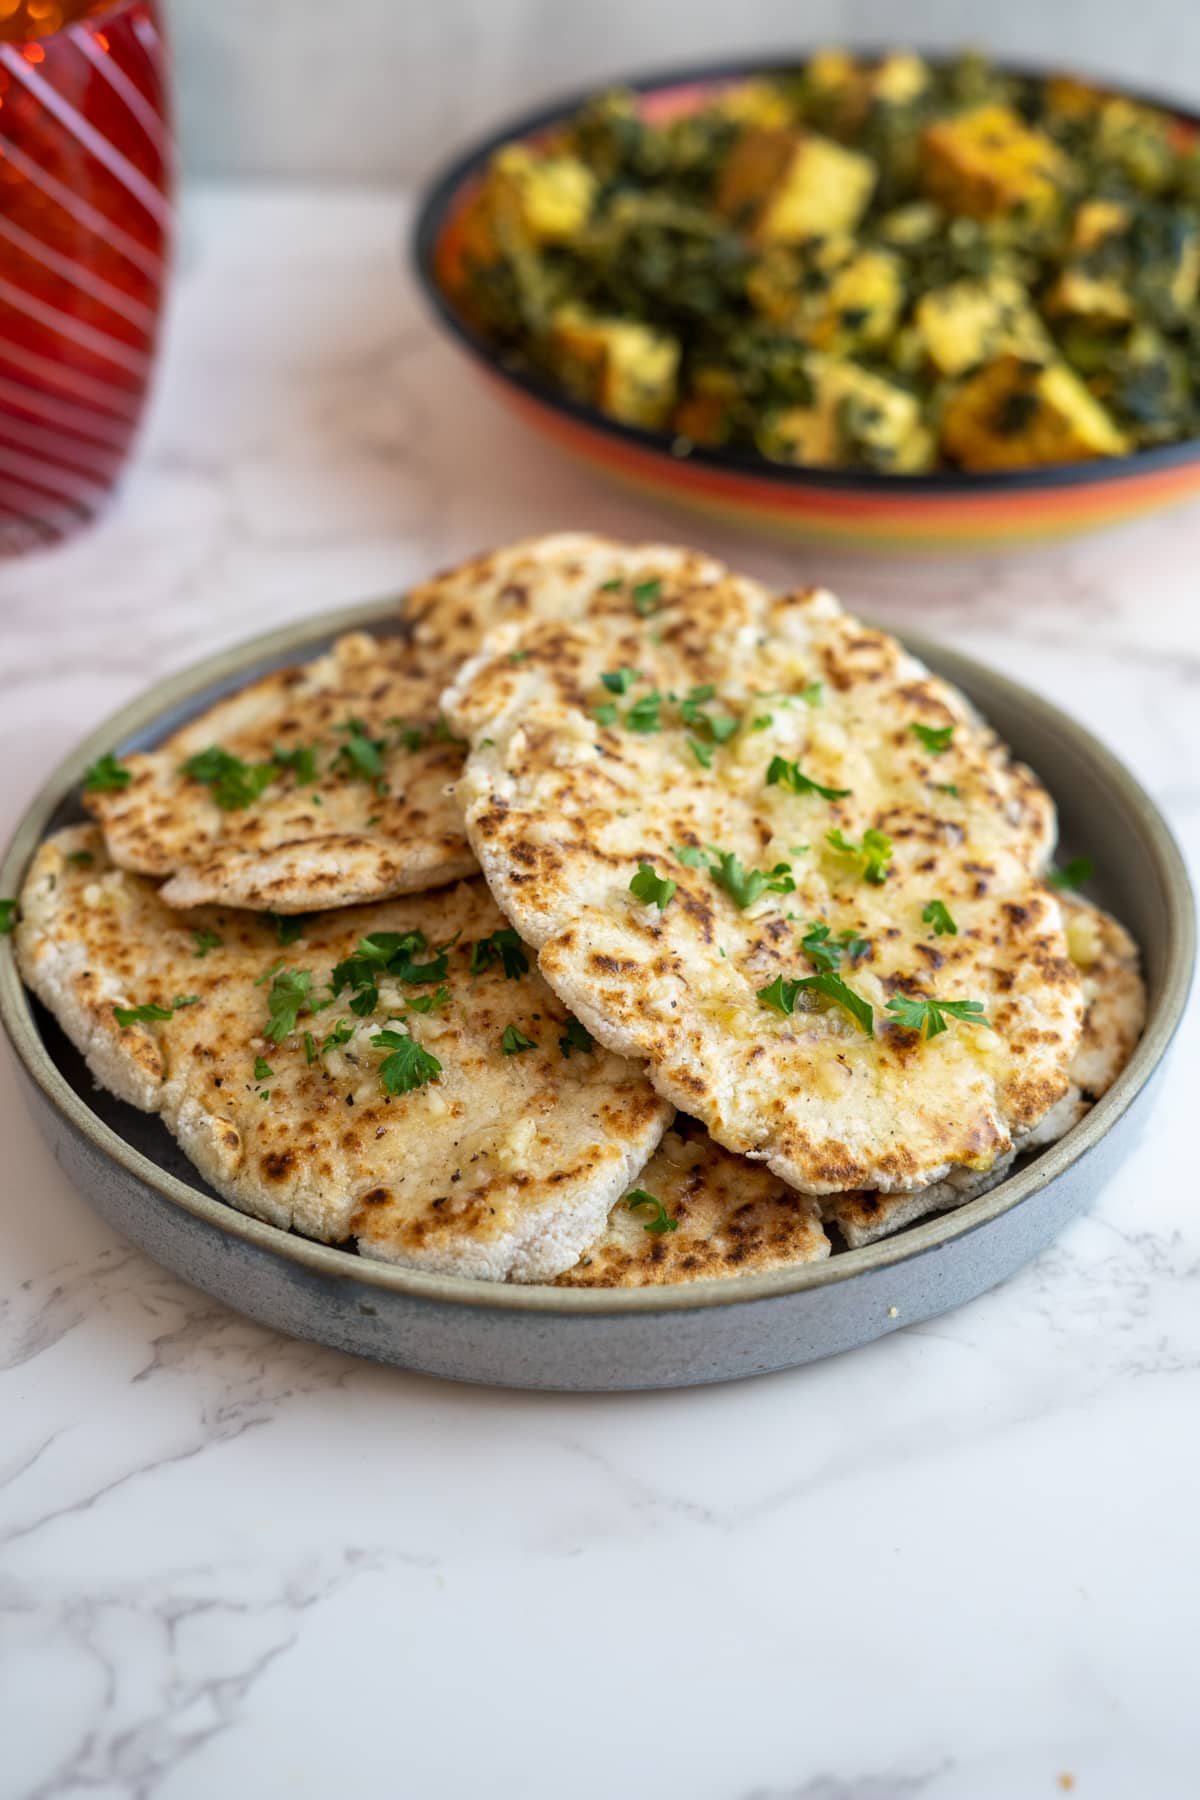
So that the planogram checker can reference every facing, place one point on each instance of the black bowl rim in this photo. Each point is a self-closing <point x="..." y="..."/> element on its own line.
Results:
<point x="442" y="189"/>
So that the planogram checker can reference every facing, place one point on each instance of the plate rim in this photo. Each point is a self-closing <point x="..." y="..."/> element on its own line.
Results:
<point x="306" y="636"/>
<point x="435" y="201"/>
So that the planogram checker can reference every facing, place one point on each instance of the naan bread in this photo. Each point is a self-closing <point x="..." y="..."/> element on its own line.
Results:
<point x="555" y="577"/>
<point x="500" y="1167"/>
<point x="562" y="806"/>
<point x="732" y="1217"/>
<point x="1115" y="999"/>
<point x="342" y="838"/>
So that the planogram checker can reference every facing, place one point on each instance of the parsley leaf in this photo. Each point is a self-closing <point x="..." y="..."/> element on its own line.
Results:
<point x="605" y="713"/>
<point x="745" y="885"/>
<point x="813" y="694"/>
<point x="762" y="722"/>
<point x="235" y="784"/>
<point x="302" y="761"/>
<point x="505" y="947"/>
<point x="9" y="913"/>
<point x="691" y="854"/>
<point x="619" y="681"/>
<point x="409" y="1066"/>
<point x="341" y="1034"/>
<point x="782" y="996"/>
<point x="576" y="1037"/>
<point x="935" y="914"/>
<point x="518" y="656"/>
<point x="928" y="1016"/>
<point x="137" y="1015"/>
<point x="875" y="853"/>
<point x="651" y="888"/>
<point x="206" y="940"/>
<point x="106" y="776"/>
<point x="702" y="752"/>
<point x="288" y="926"/>
<point x="935" y="738"/>
<point x="948" y="787"/>
<point x="1076" y="872"/>
<point x="610" y="587"/>
<point x="826" y="952"/>
<point x="262" y="1068"/>
<point x="786" y="774"/>
<point x="646" y="596"/>
<point x="427" y="1003"/>
<point x="513" y="1041"/>
<point x="310" y="1047"/>
<point x="81" y="859"/>
<point x="662" y="1220"/>
<point x="181" y="1000"/>
<point x="643" y="715"/>
<point x="285" y="1002"/>
<point x="361" y="754"/>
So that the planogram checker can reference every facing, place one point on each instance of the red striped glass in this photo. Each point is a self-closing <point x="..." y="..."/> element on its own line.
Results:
<point x="86" y="167"/>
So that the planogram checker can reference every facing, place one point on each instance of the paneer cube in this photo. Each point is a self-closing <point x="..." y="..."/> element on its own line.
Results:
<point x="761" y="103"/>
<point x="855" y="418"/>
<point x="785" y="186"/>
<point x="1095" y="222"/>
<point x="988" y="163"/>
<point x="859" y="307"/>
<point x="629" y="371"/>
<point x="1018" y="413"/>
<point x="1098" y="299"/>
<point x="967" y="323"/>
<point x="548" y="197"/>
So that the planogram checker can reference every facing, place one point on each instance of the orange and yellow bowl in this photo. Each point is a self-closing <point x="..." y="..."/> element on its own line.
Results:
<point x="947" y="510"/>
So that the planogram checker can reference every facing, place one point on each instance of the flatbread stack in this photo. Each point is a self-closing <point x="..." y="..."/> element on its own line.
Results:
<point x="613" y="922"/>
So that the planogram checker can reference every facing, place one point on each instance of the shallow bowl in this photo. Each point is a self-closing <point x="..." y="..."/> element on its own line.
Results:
<point x="133" y="1173"/>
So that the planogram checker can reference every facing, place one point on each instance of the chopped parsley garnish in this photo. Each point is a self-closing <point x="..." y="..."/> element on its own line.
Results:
<point x="285" y="1002"/>
<point x="139" y="1015"/>
<point x="408" y="737"/>
<point x="651" y="888"/>
<point x="744" y="886"/>
<point x="9" y="913"/>
<point x="875" y="853"/>
<point x="513" y="1041"/>
<point x="81" y="859"/>
<point x="235" y="784"/>
<point x="610" y="587"/>
<point x="720" y="727"/>
<point x="361" y="754"/>
<point x="605" y="713"/>
<point x="302" y="761"/>
<point x="762" y="722"/>
<point x="935" y="914"/>
<point x="619" y="681"/>
<point x="185" y="1000"/>
<point x="505" y="947"/>
<point x="205" y="940"/>
<point x="1076" y="872"/>
<point x="781" y="995"/>
<point x="702" y="752"/>
<point x="576" y="1037"/>
<point x="691" y="854"/>
<point x="262" y="980"/>
<point x="928" y="1016"/>
<point x="646" y="596"/>
<point x="310" y="1047"/>
<point x="935" y="738"/>
<point x="409" y="1066"/>
<point x="341" y="1034"/>
<point x="662" y="1220"/>
<point x="427" y="1003"/>
<point x="106" y="776"/>
<point x="288" y="926"/>
<point x="643" y="715"/>
<point x="385" y="953"/>
<point x="781" y="773"/>
<point x="518" y="656"/>
<point x="262" y="1068"/>
<point x="826" y="951"/>
<point x="813" y="694"/>
<point x="948" y="787"/>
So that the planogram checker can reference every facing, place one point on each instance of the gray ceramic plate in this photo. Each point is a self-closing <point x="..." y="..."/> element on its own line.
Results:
<point x="133" y="1173"/>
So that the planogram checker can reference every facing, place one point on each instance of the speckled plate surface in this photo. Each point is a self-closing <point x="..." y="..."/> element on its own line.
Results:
<point x="579" y="1339"/>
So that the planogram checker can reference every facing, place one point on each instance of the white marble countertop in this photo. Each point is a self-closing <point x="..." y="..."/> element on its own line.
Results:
<point x="960" y="1564"/>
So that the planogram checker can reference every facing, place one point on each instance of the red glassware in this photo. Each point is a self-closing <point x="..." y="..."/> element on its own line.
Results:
<point x="86" y="166"/>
